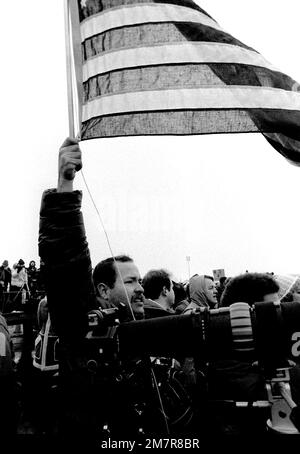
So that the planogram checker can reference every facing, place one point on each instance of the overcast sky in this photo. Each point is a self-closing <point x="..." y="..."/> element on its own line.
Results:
<point x="227" y="201"/>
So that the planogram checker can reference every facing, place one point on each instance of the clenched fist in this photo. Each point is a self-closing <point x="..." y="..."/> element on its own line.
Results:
<point x="69" y="162"/>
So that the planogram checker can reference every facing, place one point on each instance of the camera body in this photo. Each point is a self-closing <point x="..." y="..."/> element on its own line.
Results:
<point x="268" y="333"/>
<point x="101" y="339"/>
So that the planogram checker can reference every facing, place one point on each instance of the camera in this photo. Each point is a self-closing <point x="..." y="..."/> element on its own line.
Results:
<point x="103" y="317"/>
<point x="268" y="333"/>
<point x="101" y="338"/>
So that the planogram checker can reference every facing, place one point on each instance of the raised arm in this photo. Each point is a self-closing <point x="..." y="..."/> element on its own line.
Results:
<point x="64" y="250"/>
<point x="69" y="162"/>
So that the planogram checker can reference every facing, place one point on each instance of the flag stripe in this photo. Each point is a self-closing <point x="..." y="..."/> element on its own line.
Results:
<point x="199" y="98"/>
<point x="102" y="5"/>
<point x="175" y="122"/>
<point x="171" y="54"/>
<point x="189" y="123"/>
<point x="181" y="76"/>
<point x="149" y="34"/>
<point x="140" y="14"/>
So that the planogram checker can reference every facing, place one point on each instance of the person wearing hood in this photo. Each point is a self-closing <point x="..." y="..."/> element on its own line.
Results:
<point x="202" y="293"/>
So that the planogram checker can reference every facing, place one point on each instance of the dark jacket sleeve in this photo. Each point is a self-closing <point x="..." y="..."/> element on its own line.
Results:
<point x="66" y="263"/>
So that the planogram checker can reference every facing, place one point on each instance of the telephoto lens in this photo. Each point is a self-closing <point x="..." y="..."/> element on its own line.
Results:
<point x="267" y="332"/>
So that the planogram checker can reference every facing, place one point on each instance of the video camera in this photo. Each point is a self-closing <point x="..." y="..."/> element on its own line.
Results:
<point x="266" y="332"/>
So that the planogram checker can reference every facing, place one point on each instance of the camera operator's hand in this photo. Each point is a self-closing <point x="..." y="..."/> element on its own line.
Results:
<point x="69" y="162"/>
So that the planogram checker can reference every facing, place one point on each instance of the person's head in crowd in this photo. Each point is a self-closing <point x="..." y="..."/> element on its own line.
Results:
<point x="20" y="265"/>
<point x="222" y="281"/>
<point x="250" y="288"/>
<point x="181" y="299"/>
<point x="202" y="291"/>
<point x="32" y="264"/>
<point x="118" y="283"/>
<point x="5" y="264"/>
<point x="158" y="286"/>
<point x="220" y="287"/>
<point x="179" y="291"/>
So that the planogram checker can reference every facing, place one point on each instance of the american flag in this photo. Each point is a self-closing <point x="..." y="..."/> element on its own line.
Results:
<point x="166" y="67"/>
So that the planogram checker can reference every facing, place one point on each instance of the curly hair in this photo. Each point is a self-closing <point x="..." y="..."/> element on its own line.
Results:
<point x="248" y="288"/>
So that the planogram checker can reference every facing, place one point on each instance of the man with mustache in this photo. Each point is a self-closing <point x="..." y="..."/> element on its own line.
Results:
<point x="99" y="394"/>
<point x="117" y="282"/>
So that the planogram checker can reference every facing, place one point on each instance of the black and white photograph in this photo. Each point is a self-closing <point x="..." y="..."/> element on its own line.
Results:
<point x="149" y="240"/>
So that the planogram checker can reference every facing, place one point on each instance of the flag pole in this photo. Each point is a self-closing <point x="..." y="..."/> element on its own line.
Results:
<point x="69" y="69"/>
<point x="188" y="259"/>
<point x="71" y="113"/>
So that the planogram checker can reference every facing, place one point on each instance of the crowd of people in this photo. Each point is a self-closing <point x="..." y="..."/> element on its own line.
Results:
<point x="121" y="355"/>
<point x="18" y="284"/>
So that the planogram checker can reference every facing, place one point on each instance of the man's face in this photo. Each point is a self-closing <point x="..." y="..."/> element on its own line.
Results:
<point x="128" y="287"/>
<point x="171" y="295"/>
<point x="211" y="291"/>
